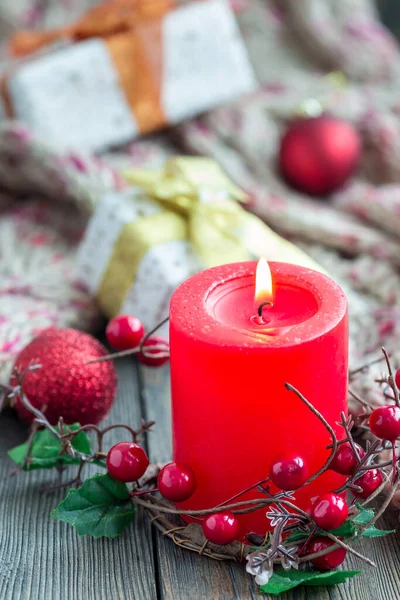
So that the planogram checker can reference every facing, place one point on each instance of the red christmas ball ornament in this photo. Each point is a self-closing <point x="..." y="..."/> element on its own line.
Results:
<point x="66" y="386"/>
<point x="124" y="332"/>
<point x="317" y="155"/>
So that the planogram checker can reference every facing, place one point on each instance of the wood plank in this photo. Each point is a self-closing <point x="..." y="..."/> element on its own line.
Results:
<point x="185" y="576"/>
<point x="41" y="558"/>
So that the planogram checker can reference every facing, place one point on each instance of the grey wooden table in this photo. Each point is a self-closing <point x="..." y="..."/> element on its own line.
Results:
<point x="41" y="559"/>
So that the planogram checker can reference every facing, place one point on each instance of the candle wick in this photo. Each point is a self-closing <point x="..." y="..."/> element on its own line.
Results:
<point x="260" y="308"/>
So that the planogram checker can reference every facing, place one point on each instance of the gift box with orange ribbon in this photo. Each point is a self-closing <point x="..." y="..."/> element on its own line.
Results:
<point x="127" y="67"/>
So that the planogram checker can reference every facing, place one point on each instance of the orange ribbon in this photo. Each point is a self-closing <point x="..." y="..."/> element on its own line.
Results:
<point x="132" y="32"/>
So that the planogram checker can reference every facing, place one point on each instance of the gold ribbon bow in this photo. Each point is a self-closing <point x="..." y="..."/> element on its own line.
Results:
<point x="220" y="229"/>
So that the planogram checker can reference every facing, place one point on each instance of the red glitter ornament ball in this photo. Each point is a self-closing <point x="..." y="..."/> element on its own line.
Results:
<point x="318" y="155"/>
<point x="65" y="385"/>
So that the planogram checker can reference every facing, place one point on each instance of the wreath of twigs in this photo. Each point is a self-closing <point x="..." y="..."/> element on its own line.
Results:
<point x="262" y="553"/>
<point x="191" y="537"/>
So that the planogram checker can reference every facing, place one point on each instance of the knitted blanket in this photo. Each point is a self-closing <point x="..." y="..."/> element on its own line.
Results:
<point x="293" y="44"/>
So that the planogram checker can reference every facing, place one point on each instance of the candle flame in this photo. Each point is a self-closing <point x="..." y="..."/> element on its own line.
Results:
<point x="264" y="286"/>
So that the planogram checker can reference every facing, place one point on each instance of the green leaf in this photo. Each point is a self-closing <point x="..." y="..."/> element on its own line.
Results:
<point x="101" y="507"/>
<point x="352" y="525"/>
<point x="346" y="530"/>
<point x="44" y="453"/>
<point x="332" y="578"/>
<point x="365" y="515"/>
<point x="372" y="532"/>
<point x="297" y="536"/>
<point x="282" y="581"/>
<point x="81" y="442"/>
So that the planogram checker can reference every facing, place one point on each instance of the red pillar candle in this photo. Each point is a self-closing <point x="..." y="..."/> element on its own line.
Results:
<point x="231" y="414"/>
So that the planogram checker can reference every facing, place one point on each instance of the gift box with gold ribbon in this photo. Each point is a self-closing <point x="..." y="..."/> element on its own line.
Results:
<point x="143" y="242"/>
<point x="127" y="67"/>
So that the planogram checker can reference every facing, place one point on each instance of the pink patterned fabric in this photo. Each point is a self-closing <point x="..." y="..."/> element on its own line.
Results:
<point x="39" y="233"/>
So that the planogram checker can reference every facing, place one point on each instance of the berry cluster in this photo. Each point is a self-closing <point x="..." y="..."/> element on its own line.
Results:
<point x="126" y="332"/>
<point x="128" y="462"/>
<point x="328" y="511"/>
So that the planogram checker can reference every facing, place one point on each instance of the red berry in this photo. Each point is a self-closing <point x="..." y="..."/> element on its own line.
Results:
<point x="397" y="378"/>
<point x="221" y="528"/>
<point x="344" y="461"/>
<point x="328" y="561"/>
<point x="384" y="422"/>
<point x="369" y="482"/>
<point x="176" y="482"/>
<point x="127" y="461"/>
<point x="156" y="357"/>
<point x="330" y="511"/>
<point x="289" y="472"/>
<point x="124" y="332"/>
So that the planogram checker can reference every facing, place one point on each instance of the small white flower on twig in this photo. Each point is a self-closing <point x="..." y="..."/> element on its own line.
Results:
<point x="259" y="564"/>
<point x="288" y="557"/>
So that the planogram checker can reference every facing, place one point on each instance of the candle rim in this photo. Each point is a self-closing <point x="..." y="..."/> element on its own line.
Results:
<point x="332" y="306"/>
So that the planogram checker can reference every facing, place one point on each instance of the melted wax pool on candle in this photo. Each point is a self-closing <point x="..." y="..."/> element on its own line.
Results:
<point x="232" y="303"/>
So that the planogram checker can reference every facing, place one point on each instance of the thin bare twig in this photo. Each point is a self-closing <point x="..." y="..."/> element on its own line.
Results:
<point x="75" y="481"/>
<point x="391" y="381"/>
<point x="162" y="352"/>
<point x="347" y="425"/>
<point x="349" y="548"/>
<point x="358" y="398"/>
<point x="145" y="350"/>
<point x="368" y="364"/>
<point x="328" y="461"/>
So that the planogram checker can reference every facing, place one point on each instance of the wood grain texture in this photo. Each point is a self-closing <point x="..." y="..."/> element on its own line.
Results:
<point x="44" y="560"/>
<point x="41" y="559"/>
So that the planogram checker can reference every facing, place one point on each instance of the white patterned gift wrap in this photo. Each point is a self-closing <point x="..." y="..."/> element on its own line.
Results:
<point x="113" y="212"/>
<point x="160" y="271"/>
<point x="205" y="60"/>
<point x="72" y="98"/>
